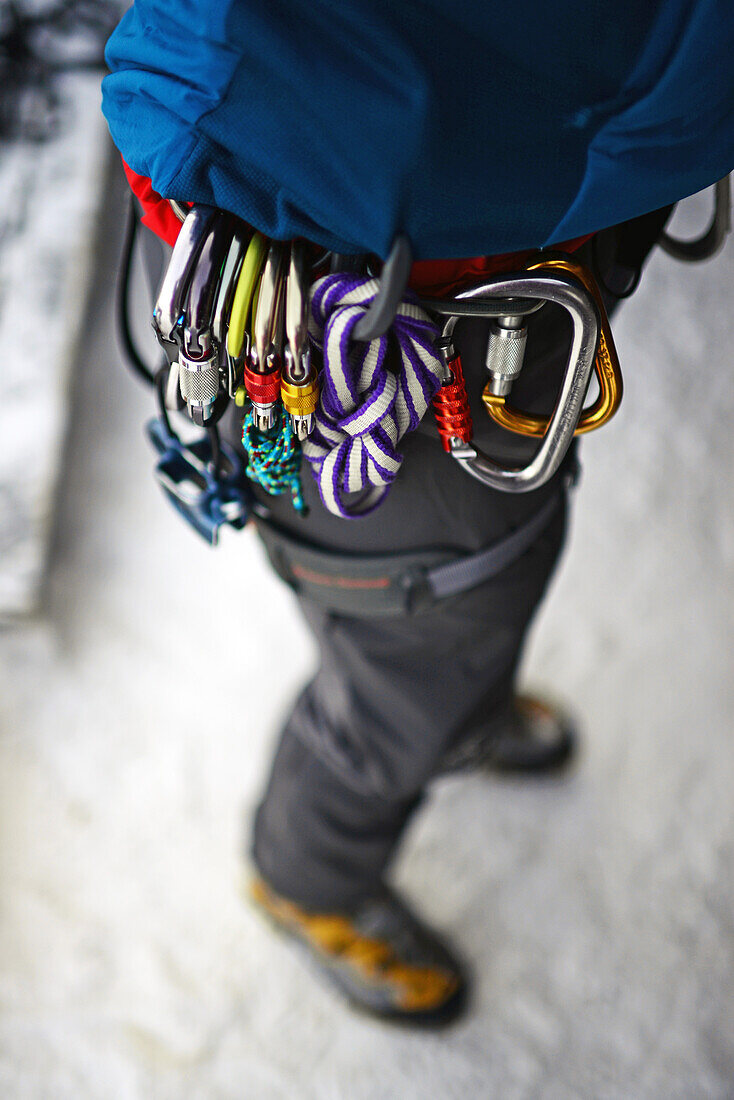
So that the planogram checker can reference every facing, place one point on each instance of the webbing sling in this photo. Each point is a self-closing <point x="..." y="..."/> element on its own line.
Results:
<point x="378" y="585"/>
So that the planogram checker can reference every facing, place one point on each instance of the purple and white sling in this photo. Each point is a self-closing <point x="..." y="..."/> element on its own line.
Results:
<point x="366" y="406"/>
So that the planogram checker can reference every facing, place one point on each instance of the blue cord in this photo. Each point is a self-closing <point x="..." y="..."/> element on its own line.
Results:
<point x="274" y="459"/>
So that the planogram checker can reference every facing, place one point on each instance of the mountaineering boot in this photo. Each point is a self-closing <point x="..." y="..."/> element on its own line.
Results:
<point x="379" y="956"/>
<point x="530" y="736"/>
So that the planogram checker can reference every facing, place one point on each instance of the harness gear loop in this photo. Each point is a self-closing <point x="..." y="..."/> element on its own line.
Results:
<point x="567" y="290"/>
<point x="711" y="241"/>
<point x="390" y="292"/>
<point x="606" y="367"/>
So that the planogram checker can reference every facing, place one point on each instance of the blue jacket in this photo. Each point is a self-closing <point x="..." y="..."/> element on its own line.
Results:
<point x="475" y="126"/>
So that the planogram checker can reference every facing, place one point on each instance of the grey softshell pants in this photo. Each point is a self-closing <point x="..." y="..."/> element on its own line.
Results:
<point x="393" y="696"/>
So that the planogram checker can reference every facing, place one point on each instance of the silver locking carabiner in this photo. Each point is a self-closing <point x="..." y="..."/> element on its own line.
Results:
<point x="542" y="286"/>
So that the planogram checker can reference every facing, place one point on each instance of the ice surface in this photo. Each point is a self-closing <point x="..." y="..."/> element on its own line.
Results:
<point x="596" y="910"/>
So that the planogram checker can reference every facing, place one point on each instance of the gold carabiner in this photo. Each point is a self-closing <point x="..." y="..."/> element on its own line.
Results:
<point x="606" y="366"/>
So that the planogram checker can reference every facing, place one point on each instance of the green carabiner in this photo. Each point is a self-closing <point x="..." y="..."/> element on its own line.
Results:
<point x="247" y="282"/>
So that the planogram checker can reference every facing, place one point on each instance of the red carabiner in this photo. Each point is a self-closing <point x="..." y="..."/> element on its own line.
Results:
<point x="451" y="407"/>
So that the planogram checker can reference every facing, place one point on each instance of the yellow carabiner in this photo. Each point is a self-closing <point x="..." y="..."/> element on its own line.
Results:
<point x="247" y="282"/>
<point x="606" y="366"/>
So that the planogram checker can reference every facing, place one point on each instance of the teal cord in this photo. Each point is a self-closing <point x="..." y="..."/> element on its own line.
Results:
<point x="274" y="459"/>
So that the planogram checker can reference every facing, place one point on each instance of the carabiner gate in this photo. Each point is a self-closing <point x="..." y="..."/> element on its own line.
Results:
<point x="223" y="307"/>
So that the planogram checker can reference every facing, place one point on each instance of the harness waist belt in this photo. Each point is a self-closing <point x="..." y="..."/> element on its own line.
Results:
<point x="377" y="585"/>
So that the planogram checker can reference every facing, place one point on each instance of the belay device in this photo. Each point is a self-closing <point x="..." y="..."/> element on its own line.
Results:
<point x="207" y="491"/>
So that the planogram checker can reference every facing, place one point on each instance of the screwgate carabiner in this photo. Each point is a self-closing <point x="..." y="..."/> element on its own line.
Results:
<point x="299" y="388"/>
<point x="198" y="361"/>
<point x="551" y="285"/>
<point x="262" y="374"/>
<point x="606" y="364"/>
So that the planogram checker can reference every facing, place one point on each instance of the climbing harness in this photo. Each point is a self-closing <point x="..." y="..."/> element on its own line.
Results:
<point x="337" y="368"/>
<point x="238" y="321"/>
<point x="383" y="585"/>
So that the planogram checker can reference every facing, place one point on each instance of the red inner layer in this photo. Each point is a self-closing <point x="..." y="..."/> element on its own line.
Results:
<point x="431" y="277"/>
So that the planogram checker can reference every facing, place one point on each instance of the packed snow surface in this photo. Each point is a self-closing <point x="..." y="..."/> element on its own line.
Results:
<point x="596" y="909"/>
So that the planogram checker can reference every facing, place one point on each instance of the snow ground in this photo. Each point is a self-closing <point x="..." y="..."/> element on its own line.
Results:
<point x="596" y="910"/>
<point x="50" y="193"/>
